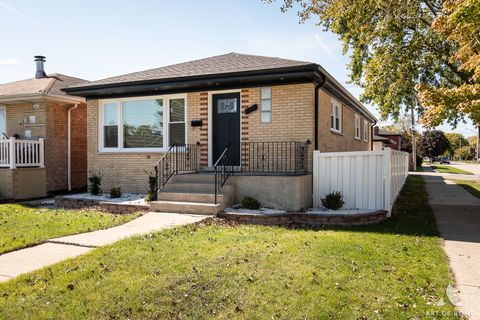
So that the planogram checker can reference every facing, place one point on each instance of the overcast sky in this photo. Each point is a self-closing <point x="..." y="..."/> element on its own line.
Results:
<point x="94" y="39"/>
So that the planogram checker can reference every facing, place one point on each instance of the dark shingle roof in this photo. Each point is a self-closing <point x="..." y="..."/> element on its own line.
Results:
<point x="227" y="63"/>
<point x="49" y="85"/>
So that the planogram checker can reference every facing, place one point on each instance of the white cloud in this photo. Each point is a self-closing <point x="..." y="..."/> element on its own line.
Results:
<point x="10" y="8"/>
<point x="9" y="62"/>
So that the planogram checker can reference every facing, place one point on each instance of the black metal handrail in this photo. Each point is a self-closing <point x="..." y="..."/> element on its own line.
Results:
<point x="178" y="159"/>
<point x="223" y="170"/>
<point x="275" y="157"/>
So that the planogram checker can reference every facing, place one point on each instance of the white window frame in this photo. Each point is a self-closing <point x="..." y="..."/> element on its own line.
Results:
<point x="166" y="123"/>
<point x="175" y="122"/>
<point x="261" y="105"/>
<point x="357" y="130"/>
<point x="365" y="130"/>
<point x="336" y="104"/>
<point x="4" y="111"/>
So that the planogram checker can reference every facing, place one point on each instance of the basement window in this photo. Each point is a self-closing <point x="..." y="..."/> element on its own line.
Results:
<point x="266" y="105"/>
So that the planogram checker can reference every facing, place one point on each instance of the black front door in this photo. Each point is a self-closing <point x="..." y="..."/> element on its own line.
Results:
<point x="226" y="126"/>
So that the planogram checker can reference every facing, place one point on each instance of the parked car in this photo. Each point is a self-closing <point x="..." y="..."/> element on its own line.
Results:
<point x="445" y="160"/>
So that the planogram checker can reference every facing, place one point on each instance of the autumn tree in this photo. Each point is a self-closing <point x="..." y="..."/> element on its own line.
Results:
<point x="460" y="24"/>
<point x="465" y="153"/>
<point x="433" y="143"/>
<point x="392" y="47"/>
<point x="457" y="140"/>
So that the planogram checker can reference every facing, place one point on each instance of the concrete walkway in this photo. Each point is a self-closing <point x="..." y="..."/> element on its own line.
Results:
<point x="26" y="260"/>
<point x="458" y="218"/>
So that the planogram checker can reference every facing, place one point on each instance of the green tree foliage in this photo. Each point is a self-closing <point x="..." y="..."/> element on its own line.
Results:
<point x="406" y="141"/>
<point x="403" y="123"/>
<point x="460" y="24"/>
<point x="392" y="47"/>
<point x="433" y="143"/>
<point x="465" y="153"/>
<point x="472" y="140"/>
<point x="457" y="140"/>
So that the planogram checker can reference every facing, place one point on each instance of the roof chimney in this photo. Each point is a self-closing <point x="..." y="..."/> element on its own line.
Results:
<point x="40" y="73"/>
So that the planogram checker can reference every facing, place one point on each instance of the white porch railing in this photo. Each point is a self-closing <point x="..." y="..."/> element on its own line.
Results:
<point x="366" y="179"/>
<point x="22" y="153"/>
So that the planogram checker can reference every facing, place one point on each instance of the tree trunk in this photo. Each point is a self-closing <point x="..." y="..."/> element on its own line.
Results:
<point x="414" y="141"/>
<point x="478" y="143"/>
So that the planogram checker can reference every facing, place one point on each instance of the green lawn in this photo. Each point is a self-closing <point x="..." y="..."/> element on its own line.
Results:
<point x="471" y="186"/>
<point x="215" y="270"/>
<point x="449" y="169"/>
<point x="22" y="226"/>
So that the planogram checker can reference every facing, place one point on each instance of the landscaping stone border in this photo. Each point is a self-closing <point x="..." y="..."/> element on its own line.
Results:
<point x="309" y="219"/>
<point x="119" y="208"/>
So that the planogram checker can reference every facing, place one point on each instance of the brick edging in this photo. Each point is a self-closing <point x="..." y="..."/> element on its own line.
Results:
<point x="119" y="208"/>
<point x="309" y="219"/>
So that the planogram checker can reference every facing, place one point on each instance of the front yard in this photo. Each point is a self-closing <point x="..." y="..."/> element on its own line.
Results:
<point x="395" y="270"/>
<point x="22" y="226"/>
<point x="471" y="186"/>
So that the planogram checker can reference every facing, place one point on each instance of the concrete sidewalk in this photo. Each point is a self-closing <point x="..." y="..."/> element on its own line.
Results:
<point x="26" y="260"/>
<point x="458" y="218"/>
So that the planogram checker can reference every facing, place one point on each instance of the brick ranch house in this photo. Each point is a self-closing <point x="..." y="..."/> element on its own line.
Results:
<point x="43" y="136"/>
<point x="219" y="128"/>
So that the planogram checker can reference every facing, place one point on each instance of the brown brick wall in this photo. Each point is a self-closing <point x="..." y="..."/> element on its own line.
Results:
<point x="334" y="142"/>
<point x="79" y="147"/>
<point x="292" y="114"/>
<point x="125" y="170"/>
<point x="197" y="109"/>
<point x="56" y="144"/>
<point x="292" y="120"/>
<point x="51" y="124"/>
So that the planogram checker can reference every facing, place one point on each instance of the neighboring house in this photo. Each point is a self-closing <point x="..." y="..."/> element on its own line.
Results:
<point x="43" y="136"/>
<point x="386" y="139"/>
<point x="258" y="118"/>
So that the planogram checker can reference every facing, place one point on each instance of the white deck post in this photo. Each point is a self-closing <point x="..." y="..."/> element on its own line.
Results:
<point x="11" y="153"/>
<point x="42" y="152"/>
<point x="387" y="165"/>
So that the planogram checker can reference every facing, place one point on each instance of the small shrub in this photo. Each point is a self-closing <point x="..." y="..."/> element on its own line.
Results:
<point x="115" y="192"/>
<point x="419" y="161"/>
<point x="333" y="200"/>
<point x="151" y="196"/>
<point x="95" y="180"/>
<point x="152" y="187"/>
<point x="250" y="203"/>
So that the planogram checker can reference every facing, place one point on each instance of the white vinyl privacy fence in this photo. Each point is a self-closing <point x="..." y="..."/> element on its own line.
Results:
<point x="366" y="179"/>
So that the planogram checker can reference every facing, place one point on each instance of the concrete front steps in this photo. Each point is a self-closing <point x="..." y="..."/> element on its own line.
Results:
<point x="193" y="193"/>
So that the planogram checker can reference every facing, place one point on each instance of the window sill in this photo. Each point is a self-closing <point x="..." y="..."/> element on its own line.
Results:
<point x="358" y="139"/>
<point x="336" y="132"/>
<point x="136" y="151"/>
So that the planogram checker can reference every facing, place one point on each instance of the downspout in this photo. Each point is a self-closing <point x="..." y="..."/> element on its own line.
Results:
<point x="371" y="134"/>
<point x="69" y="146"/>
<point x="316" y="112"/>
